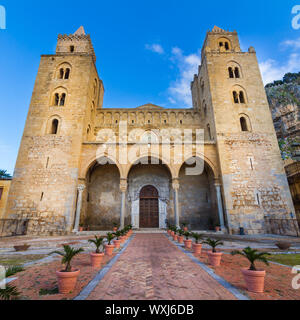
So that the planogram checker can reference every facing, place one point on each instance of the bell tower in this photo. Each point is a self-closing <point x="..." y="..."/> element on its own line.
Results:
<point x="230" y="95"/>
<point x="61" y="116"/>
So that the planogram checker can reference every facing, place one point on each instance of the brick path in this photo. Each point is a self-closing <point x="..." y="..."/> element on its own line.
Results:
<point x="152" y="267"/>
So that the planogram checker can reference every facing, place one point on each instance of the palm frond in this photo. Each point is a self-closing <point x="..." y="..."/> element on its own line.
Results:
<point x="9" y="293"/>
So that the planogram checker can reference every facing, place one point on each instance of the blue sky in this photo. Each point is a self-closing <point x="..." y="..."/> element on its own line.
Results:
<point x="147" y="51"/>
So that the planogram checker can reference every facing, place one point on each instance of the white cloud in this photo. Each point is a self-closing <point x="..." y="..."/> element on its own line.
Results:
<point x="157" y="48"/>
<point x="272" y="70"/>
<point x="294" y="44"/>
<point x="180" y="89"/>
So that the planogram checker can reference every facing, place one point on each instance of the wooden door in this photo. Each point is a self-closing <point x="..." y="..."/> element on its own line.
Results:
<point x="149" y="213"/>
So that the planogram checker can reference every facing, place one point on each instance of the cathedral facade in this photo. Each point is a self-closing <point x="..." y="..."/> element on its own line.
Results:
<point x="216" y="164"/>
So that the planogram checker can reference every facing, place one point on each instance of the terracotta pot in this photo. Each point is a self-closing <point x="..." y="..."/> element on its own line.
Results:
<point x="214" y="258"/>
<point x="122" y="238"/>
<point x="282" y="245"/>
<point x="187" y="244"/>
<point x="180" y="239"/>
<point x="67" y="280"/>
<point x="255" y="280"/>
<point x="217" y="229"/>
<point x="115" y="229"/>
<point x="96" y="259"/>
<point x="109" y="248"/>
<point x="197" y="247"/>
<point x="23" y="247"/>
<point x="172" y="233"/>
<point x="175" y="237"/>
<point x="80" y="229"/>
<point x="185" y="229"/>
<point x="117" y="243"/>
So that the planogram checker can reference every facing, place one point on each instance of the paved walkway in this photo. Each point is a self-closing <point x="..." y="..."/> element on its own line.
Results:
<point x="152" y="267"/>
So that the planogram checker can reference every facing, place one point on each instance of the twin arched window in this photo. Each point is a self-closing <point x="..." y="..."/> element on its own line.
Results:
<point x="59" y="99"/>
<point x="234" y="72"/>
<point x="239" y="96"/>
<point x="64" y="73"/>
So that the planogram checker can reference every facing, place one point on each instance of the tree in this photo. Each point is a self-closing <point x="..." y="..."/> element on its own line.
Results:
<point x="4" y="174"/>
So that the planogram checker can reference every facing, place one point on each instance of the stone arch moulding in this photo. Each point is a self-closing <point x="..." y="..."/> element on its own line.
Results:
<point x="248" y="121"/>
<point x="170" y="167"/>
<point x="92" y="160"/>
<point x="48" y="124"/>
<point x="63" y="65"/>
<point x="206" y="160"/>
<point x="233" y="64"/>
<point x="239" y="88"/>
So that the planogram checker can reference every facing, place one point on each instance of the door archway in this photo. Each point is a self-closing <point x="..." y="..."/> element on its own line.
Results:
<point x="149" y="212"/>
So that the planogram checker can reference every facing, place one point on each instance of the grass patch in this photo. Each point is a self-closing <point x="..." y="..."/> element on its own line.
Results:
<point x="45" y="292"/>
<point x="287" y="259"/>
<point x="18" y="260"/>
<point x="13" y="270"/>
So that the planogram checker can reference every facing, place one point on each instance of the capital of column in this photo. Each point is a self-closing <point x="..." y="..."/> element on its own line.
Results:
<point x="218" y="183"/>
<point x="175" y="184"/>
<point x="81" y="188"/>
<point x="123" y="185"/>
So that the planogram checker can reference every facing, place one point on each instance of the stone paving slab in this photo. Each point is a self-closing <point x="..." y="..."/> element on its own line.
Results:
<point x="153" y="268"/>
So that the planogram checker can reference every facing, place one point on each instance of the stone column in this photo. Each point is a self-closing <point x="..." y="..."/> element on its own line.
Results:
<point x="220" y="205"/>
<point x="123" y="188"/>
<point x="175" y="186"/>
<point x="80" y="189"/>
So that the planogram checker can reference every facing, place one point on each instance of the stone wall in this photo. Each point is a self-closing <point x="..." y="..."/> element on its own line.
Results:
<point x="197" y="200"/>
<point x="4" y="185"/>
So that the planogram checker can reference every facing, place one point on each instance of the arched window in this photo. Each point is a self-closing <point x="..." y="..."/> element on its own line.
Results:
<point x="56" y="99"/>
<point x="62" y="99"/>
<point x="242" y="97"/>
<point x="226" y="46"/>
<point x="244" y="125"/>
<point x="54" y="126"/>
<point x="239" y="96"/>
<point x="235" y="97"/>
<point x="61" y="73"/>
<point x="72" y="48"/>
<point x="59" y="98"/>
<point x="231" y="75"/>
<point x="67" y="74"/>
<point x="236" y="72"/>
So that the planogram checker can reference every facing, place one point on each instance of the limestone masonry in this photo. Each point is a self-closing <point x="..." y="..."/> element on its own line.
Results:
<point x="60" y="181"/>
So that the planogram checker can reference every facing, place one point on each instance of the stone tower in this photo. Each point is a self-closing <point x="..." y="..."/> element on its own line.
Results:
<point x="229" y="93"/>
<point x="66" y="94"/>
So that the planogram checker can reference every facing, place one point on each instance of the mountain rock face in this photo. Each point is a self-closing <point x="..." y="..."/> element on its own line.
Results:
<point x="284" y="100"/>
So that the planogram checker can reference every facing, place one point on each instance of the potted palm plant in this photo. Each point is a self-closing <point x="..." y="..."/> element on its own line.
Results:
<point x="197" y="246"/>
<point x="175" y="230"/>
<point x="130" y="229"/>
<point x="67" y="278"/>
<point x="214" y="257"/>
<point x="117" y="241"/>
<point x="115" y="227"/>
<point x="187" y="241"/>
<point x="97" y="256"/>
<point x="109" y="248"/>
<point x="254" y="278"/>
<point x="184" y="226"/>
<point x="80" y="227"/>
<point x="122" y="237"/>
<point x="180" y="236"/>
